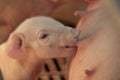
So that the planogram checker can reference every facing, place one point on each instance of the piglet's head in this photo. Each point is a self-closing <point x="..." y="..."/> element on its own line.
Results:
<point x="42" y="37"/>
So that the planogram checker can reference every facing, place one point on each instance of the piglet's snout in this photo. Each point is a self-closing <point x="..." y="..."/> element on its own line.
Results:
<point x="76" y="34"/>
<point x="71" y="38"/>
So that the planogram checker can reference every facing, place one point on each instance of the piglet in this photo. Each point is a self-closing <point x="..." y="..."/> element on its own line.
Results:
<point x="36" y="39"/>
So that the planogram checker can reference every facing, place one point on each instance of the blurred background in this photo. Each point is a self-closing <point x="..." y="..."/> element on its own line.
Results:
<point x="13" y="12"/>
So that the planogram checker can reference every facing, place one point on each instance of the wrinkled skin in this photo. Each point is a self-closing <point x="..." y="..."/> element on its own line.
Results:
<point x="98" y="52"/>
<point x="33" y="41"/>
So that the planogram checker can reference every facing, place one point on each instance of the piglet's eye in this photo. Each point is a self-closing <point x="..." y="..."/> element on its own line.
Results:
<point x="43" y="36"/>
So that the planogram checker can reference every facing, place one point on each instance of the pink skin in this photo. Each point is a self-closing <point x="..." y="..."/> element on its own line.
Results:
<point x="98" y="49"/>
<point x="92" y="3"/>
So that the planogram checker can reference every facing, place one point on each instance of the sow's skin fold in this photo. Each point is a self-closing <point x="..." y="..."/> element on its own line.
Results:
<point x="36" y="39"/>
<point x="98" y="55"/>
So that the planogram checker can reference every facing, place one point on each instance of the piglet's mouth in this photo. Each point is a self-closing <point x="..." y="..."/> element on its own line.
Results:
<point x="68" y="46"/>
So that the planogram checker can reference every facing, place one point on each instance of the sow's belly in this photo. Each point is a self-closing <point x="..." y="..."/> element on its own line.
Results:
<point x="97" y="59"/>
<point x="95" y="69"/>
<point x="83" y="69"/>
<point x="84" y="65"/>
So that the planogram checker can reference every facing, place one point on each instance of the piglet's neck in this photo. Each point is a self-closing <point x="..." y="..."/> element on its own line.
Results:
<point x="32" y="67"/>
<point x="27" y="69"/>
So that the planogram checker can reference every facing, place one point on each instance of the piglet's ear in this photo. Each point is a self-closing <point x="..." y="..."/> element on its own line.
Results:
<point x="15" y="46"/>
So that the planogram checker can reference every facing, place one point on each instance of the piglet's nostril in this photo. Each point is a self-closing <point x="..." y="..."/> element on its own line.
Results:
<point x="73" y="31"/>
<point x="76" y="35"/>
